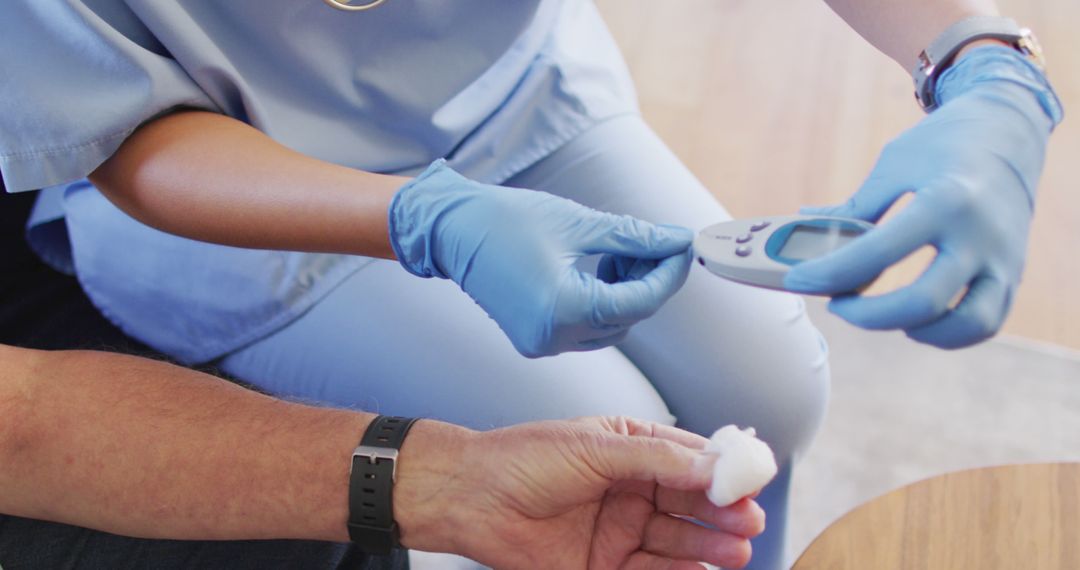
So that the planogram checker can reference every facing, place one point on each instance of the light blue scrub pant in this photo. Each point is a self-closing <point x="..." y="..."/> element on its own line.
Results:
<point x="717" y="353"/>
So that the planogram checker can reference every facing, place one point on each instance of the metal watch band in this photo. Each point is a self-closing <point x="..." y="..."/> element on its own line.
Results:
<point x="937" y="58"/>
<point x="371" y="485"/>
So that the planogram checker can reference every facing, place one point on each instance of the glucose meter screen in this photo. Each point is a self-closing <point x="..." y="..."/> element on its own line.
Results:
<point x="808" y="242"/>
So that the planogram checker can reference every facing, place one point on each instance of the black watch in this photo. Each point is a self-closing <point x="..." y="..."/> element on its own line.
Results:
<point x="371" y="485"/>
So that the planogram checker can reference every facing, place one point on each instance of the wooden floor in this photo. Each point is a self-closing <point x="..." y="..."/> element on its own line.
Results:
<point x="777" y="103"/>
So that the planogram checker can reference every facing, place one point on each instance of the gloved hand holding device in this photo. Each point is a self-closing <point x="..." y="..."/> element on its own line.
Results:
<point x="974" y="166"/>
<point x="514" y="252"/>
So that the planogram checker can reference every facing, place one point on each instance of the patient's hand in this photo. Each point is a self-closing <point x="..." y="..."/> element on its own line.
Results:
<point x="589" y="493"/>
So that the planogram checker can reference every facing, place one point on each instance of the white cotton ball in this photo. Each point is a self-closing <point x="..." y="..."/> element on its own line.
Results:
<point x="744" y="464"/>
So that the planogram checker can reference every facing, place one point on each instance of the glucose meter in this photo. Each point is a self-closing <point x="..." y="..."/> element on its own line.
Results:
<point x="760" y="252"/>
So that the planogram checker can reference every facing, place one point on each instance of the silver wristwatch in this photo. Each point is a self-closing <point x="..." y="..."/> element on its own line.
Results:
<point x="941" y="53"/>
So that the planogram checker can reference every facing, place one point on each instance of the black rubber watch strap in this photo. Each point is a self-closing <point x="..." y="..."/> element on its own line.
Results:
<point x="371" y="485"/>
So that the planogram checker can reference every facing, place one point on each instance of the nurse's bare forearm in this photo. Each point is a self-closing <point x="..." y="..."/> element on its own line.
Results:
<point x="904" y="28"/>
<point x="143" y="448"/>
<point x="213" y="178"/>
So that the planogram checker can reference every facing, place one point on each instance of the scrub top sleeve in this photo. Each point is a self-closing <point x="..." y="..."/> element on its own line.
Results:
<point x="76" y="78"/>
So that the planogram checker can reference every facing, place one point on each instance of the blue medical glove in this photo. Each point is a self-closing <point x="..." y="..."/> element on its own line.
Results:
<point x="973" y="165"/>
<point x="514" y="252"/>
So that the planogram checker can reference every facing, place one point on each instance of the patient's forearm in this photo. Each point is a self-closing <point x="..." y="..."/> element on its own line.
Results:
<point x="903" y="28"/>
<point x="213" y="178"/>
<point x="142" y="448"/>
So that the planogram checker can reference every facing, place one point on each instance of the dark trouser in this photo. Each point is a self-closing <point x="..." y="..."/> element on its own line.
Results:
<point x="36" y="545"/>
<point x="40" y="308"/>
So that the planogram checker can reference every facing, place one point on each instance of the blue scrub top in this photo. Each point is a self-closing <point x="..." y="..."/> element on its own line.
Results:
<point x="491" y="85"/>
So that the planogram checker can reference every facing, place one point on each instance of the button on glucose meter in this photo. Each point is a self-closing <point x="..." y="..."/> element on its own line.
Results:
<point x="760" y="252"/>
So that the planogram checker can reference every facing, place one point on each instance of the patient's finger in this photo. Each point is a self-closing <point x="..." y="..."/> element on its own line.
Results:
<point x="745" y="518"/>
